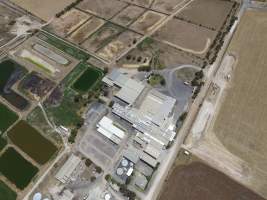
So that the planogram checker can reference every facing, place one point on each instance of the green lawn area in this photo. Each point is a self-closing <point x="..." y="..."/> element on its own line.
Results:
<point x="156" y="79"/>
<point x="16" y="169"/>
<point x="6" y="193"/>
<point x="64" y="46"/>
<point x="87" y="80"/>
<point x="7" y="117"/>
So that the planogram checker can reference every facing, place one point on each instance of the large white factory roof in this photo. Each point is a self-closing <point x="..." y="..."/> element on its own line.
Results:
<point x="130" y="88"/>
<point x="157" y="107"/>
<point x="107" y="128"/>
<point x="64" y="174"/>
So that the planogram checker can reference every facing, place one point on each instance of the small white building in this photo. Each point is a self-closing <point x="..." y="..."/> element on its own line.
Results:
<point x="66" y="171"/>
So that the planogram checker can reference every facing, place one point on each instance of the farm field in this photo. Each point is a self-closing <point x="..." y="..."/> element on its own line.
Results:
<point x="128" y="15"/>
<point x="7" y="193"/>
<point x="147" y="22"/>
<point x="166" y="6"/>
<point x="68" y="22"/>
<point x="7" y="117"/>
<point x="87" y="80"/>
<point x="241" y="122"/>
<point x="103" y="8"/>
<point x="101" y="37"/>
<point x="117" y="46"/>
<point x="208" y="13"/>
<point x="47" y="11"/>
<point x="40" y="149"/>
<point x="142" y="3"/>
<point x="9" y="162"/>
<point x="185" y="36"/>
<point x="86" y="30"/>
<point x="197" y="181"/>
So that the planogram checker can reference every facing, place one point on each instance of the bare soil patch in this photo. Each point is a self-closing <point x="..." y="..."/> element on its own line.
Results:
<point x="68" y="22"/>
<point x="86" y="30"/>
<point x="147" y="22"/>
<point x="128" y="15"/>
<point x="44" y="9"/>
<point x="166" y="6"/>
<point x="241" y="123"/>
<point x="119" y="45"/>
<point x="185" y="36"/>
<point x="101" y="37"/>
<point x="198" y="181"/>
<point x="208" y="13"/>
<point x="103" y="8"/>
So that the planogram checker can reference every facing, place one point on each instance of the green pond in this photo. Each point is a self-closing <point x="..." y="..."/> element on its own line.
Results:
<point x="16" y="168"/>
<point x="87" y="80"/>
<point x="7" y="117"/>
<point x="6" y="193"/>
<point x="29" y="140"/>
<point x="11" y="72"/>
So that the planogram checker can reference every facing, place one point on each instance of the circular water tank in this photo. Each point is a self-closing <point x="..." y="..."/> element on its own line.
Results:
<point x="107" y="196"/>
<point x="124" y="163"/>
<point x="119" y="171"/>
<point x="37" y="196"/>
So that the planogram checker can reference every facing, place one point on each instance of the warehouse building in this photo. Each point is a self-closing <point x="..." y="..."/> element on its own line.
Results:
<point x="130" y="89"/>
<point x="66" y="172"/>
<point x="107" y="128"/>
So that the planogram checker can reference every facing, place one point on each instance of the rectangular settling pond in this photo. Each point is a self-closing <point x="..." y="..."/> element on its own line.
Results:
<point x="11" y="72"/>
<point x="29" y="140"/>
<point x="7" y="117"/>
<point x="7" y="193"/>
<point x="87" y="80"/>
<point x="16" y="169"/>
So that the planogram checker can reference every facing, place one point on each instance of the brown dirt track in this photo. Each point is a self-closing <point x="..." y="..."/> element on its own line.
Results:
<point x="198" y="181"/>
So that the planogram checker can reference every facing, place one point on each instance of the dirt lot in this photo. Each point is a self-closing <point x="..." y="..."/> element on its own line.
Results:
<point x="101" y="37"/>
<point x="143" y="3"/>
<point x="67" y="23"/>
<point x="208" y="13"/>
<point x="86" y="30"/>
<point x="165" y="55"/>
<point x="118" y="45"/>
<point x="147" y="22"/>
<point x="128" y="15"/>
<point x="6" y="17"/>
<point x="241" y="123"/>
<point x="103" y="8"/>
<point x="198" y="181"/>
<point x="185" y="36"/>
<point x="49" y="8"/>
<point x="166" y="6"/>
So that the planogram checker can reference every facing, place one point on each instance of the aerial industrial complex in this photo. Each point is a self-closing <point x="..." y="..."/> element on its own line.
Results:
<point x="133" y="100"/>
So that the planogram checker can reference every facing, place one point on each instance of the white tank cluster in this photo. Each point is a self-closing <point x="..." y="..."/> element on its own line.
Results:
<point x="38" y="196"/>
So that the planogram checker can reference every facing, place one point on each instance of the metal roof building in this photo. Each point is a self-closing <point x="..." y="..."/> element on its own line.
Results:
<point x="130" y="89"/>
<point x="109" y="130"/>
<point x="64" y="174"/>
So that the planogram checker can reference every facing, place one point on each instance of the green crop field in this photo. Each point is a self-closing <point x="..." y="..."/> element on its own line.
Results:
<point x="6" y="193"/>
<point x="39" y="148"/>
<point x="87" y="80"/>
<point x="3" y="143"/>
<point x="7" y="117"/>
<point x="16" y="169"/>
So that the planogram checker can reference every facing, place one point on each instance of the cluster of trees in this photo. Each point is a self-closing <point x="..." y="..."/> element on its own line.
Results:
<point x="197" y="82"/>
<point x="217" y="44"/>
<point x="67" y="8"/>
